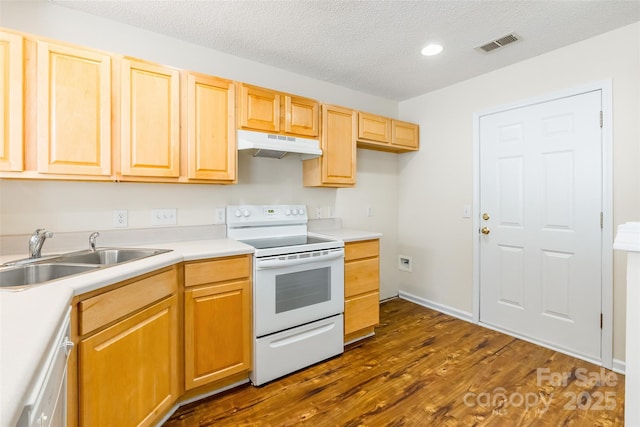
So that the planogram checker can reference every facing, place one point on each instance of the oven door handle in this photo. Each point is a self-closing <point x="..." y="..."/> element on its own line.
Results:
<point x="276" y="262"/>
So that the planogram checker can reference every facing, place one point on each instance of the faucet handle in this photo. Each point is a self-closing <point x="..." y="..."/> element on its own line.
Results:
<point x="92" y="240"/>
<point x="37" y="240"/>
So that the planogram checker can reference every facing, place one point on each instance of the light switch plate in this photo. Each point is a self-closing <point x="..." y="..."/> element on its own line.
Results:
<point x="163" y="217"/>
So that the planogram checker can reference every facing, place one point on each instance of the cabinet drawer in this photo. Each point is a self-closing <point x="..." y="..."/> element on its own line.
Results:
<point x="361" y="276"/>
<point x="361" y="312"/>
<point x="363" y="249"/>
<point x="102" y="309"/>
<point x="218" y="270"/>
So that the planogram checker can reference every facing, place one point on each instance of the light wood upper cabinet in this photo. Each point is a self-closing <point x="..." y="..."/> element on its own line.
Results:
<point x="259" y="108"/>
<point x="149" y="120"/>
<point x="217" y="313"/>
<point x="405" y="135"/>
<point x="385" y="134"/>
<point x="275" y="112"/>
<point x="208" y="128"/>
<point x="301" y="116"/>
<point x="337" y="165"/>
<point x="128" y="356"/>
<point x="11" y="94"/>
<point x="73" y="110"/>
<point x="374" y="128"/>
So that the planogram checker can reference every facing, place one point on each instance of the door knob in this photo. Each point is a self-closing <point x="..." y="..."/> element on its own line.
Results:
<point x="485" y="216"/>
<point x="485" y="230"/>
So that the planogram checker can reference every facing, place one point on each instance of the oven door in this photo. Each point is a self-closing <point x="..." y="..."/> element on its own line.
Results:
<point x="294" y="289"/>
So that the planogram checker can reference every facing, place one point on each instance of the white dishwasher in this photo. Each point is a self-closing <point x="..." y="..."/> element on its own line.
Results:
<point x="47" y="402"/>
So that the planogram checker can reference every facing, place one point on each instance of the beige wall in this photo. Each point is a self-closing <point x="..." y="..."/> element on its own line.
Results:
<point x="437" y="181"/>
<point x="80" y="206"/>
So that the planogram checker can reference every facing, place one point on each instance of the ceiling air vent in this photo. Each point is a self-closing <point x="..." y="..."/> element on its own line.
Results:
<point x="498" y="43"/>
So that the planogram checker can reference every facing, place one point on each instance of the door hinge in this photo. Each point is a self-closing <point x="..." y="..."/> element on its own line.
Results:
<point x="601" y="320"/>
<point x="601" y="220"/>
<point x="601" y="119"/>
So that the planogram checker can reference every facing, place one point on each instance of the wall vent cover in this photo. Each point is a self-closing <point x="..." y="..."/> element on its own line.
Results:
<point x="498" y="43"/>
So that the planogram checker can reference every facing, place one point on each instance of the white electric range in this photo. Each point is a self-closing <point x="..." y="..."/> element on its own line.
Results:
<point x="298" y="289"/>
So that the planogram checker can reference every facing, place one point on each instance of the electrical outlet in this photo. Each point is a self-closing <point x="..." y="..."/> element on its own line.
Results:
<point x="120" y="219"/>
<point x="369" y="210"/>
<point x="163" y="217"/>
<point x="318" y="212"/>
<point x="404" y="263"/>
<point x="220" y="216"/>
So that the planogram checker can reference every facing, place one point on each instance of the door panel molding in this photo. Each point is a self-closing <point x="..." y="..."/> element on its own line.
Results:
<point x="605" y="87"/>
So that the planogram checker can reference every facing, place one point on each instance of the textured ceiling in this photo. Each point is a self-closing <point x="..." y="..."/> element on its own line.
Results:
<point x="373" y="46"/>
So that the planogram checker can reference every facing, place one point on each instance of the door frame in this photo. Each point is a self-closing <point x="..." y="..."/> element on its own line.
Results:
<point x="605" y="86"/>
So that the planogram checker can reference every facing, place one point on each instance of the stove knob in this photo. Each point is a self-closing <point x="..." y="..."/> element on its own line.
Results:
<point x="287" y="212"/>
<point x="238" y="214"/>
<point x="245" y="213"/>
<point x="301" y="211"/>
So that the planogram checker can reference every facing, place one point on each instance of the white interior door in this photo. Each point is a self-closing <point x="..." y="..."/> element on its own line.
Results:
<point x="540" y="205"/>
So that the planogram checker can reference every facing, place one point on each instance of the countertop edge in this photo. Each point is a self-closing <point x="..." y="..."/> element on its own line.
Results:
<point x="346" y="234"/>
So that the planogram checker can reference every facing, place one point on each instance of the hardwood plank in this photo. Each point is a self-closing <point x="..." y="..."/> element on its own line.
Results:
<point x="425" y="368"/>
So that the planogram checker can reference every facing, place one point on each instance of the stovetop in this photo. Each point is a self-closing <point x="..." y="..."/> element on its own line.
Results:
<point x="279" y="242"/>
<point x="275" y="229"/>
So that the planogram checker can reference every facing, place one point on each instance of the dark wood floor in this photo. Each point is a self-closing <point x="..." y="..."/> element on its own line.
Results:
<point x="424" y="368"/>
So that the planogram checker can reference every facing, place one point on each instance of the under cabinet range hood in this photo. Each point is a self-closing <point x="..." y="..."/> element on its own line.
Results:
<point x="277" y="146"/>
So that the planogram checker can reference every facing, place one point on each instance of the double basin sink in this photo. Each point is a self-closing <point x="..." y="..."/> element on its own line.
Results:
<point x="22" y="274"/>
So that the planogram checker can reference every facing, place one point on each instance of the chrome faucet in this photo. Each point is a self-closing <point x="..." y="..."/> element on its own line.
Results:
<point x="37" y="240"/>
<point x="92" y="240"/>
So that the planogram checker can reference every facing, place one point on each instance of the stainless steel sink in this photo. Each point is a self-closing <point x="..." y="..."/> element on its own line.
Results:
<point x="21" y="276"/>
<point x="108" y="256"/>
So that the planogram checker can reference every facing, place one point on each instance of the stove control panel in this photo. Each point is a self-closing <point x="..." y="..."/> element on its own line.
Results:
<point x="255" y="215"/>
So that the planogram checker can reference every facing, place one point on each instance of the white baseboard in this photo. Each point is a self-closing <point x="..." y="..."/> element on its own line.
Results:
<point x="462" y="315"/>
<point x="619" y="366"/>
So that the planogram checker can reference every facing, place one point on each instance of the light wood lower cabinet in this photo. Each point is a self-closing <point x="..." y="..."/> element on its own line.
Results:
<point x="361" y="288"/>
<point x="128" y="352"/>
<point x="217" y="310"/>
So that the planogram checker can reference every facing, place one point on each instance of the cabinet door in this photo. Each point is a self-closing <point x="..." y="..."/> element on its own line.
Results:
<point x="11" y="94"/>
<point x="150" y="120"/>
<point x="405" y="135"/>
<point x="73" y="110"/>
<point x="259" y="109"/>
<point x="217" y="332"/>
<point x="301" y="116"/>
<point x="210" y="128"/>
<point x="128" y="372"/>
<point x="374" y="128"/>
<point x="361" y="312"/>
<point x="337" y="165"/>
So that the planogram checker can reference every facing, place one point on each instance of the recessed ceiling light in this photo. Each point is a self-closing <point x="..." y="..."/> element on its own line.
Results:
<point x="431" y="49"/>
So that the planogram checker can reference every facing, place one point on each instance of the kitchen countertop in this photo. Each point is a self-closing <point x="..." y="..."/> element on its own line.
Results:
<point x="30" y="318"/>
<point x="347" y="235"/>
